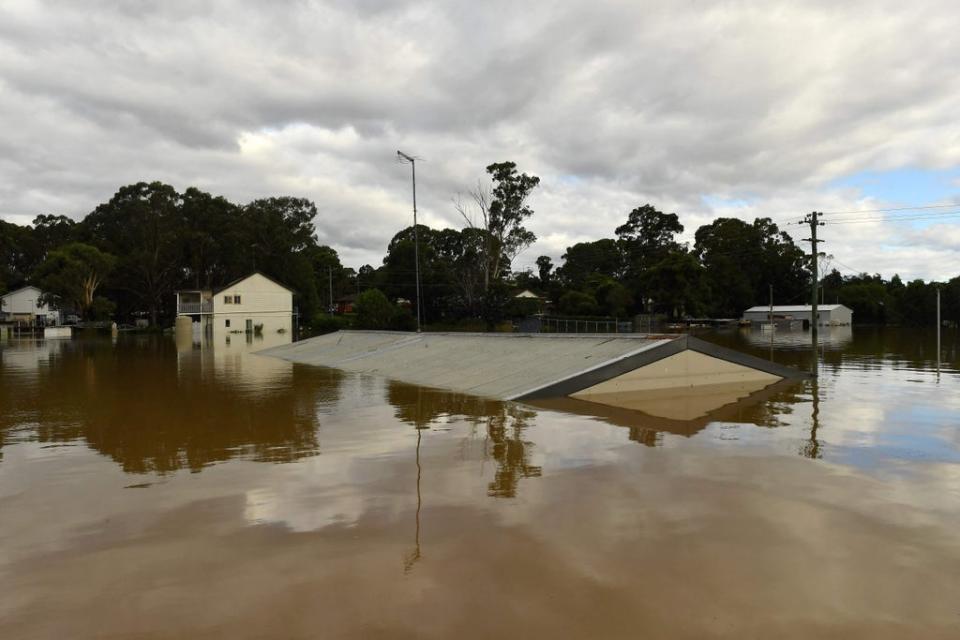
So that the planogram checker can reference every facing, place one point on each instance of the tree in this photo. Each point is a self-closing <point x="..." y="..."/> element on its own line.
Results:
<point x="544" y="270"/>
<point x="213" y="240"/>
<point x="373" y="310"/>
<point x="677" y="285"/>
<point x="141" y="225"/>
<point x="72" y="274"/>
<point x="16" y="255"/>
<point x="51" y="232"/>
<point x="742" y="261"/>
<point x="646" y="237"/>
<point x="577" y="303"/>
<point x="281" y="235"/>
<point x="502" y="211"/>
<point x="586" y="259"/>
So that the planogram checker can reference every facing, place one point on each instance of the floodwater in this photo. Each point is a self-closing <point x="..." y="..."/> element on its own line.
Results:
<point x="150" y="489"/>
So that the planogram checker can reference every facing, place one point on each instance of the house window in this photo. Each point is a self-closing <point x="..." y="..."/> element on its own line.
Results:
<point x="226" y="323"/>
<point x="236" y="299"/>
<point x="227" y="299"/>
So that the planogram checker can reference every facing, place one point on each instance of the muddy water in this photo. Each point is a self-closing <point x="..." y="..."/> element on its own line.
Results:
<point x="151" y="491"/>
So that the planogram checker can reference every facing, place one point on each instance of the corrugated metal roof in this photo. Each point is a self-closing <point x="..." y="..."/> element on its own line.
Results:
<point x="501" y="365"/>
<point x="796" y="308"/>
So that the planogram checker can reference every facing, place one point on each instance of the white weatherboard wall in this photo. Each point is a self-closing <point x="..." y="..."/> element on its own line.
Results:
<point x="25" y="302"/>
<point x="262" y="301"/>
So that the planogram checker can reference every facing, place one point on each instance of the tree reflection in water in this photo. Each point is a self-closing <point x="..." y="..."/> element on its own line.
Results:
<point x="139" y="404"/>
<point x="504" y="425"/>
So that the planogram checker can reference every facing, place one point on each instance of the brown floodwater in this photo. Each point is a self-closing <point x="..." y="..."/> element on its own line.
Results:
<point x="156" y="490"/>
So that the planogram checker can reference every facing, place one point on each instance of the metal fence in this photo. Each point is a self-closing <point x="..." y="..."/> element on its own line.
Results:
<point x="585" y="325"/>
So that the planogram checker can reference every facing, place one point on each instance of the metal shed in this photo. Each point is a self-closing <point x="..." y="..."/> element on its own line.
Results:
<point x="829" y="314"/>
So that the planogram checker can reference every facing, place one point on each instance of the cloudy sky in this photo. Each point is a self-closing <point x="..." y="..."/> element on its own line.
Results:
<point x="704" y="108"/>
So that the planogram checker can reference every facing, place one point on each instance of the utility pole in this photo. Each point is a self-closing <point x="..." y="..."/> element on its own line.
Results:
<point x="770" y="315"/>
<point x="938" y="330"/>
<point x="416" y="241"/>
<point x="813" y="220"/>
<point x="330" y="287"/>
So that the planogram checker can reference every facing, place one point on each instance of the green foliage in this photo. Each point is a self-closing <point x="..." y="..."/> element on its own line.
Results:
<point x="742" y="260"/>
<point x="586" y="259"/>
<point x="577" y="303"/>
<point x="678" y="285"/>
<point x="374" y="310"/>
<point x="328" y="323"/>
<point x="72" y="274"/>
<point x="522" y="307"/>
<point x="102" y="309"/>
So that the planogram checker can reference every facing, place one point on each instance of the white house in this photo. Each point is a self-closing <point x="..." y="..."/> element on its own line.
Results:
<point x="253" y="304"/>
<point x="23" y="305"/>
<point x="828" y="314"/>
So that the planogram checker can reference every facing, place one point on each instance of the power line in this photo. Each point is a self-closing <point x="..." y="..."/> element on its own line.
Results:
<point x="931" y="206"/>
<point x="945" y="216"/>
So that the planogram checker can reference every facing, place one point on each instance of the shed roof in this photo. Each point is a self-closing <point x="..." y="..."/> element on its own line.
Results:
<point x="796" y="308"/>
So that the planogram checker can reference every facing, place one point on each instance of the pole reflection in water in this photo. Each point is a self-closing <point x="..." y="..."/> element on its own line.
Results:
<point x="415" y="554"/>
<point x="811" y="448"/>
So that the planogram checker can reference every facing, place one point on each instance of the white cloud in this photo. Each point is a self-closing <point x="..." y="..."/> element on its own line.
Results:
<point x="612" y="104"/>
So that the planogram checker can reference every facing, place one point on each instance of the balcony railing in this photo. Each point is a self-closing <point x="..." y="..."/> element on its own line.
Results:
<point x="192" y="308"/>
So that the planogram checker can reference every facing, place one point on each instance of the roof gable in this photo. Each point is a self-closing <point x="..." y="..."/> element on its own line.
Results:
<point x="26" y="288"/>
<point x="247" y="277"/>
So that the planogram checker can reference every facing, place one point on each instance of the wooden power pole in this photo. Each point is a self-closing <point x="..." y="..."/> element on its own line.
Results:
<point x="813" y="220"/>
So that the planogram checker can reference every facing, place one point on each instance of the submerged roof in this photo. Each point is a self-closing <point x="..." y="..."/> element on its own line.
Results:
<point x="796" y="307"/>
<point x="505" y="366"/>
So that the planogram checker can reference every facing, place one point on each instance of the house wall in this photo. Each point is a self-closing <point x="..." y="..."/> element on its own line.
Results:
<point x="22" y="304"/>
<point x="258" y="296"/>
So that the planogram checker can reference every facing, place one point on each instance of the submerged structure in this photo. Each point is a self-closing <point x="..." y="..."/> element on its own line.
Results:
<point x="672" y="376"/>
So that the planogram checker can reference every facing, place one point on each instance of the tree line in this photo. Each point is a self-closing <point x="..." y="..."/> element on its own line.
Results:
<point x="129" y="255"/>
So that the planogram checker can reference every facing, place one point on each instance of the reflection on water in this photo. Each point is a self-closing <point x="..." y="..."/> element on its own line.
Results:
<point x="140" y="495"/>
<point x="155" y="408"/>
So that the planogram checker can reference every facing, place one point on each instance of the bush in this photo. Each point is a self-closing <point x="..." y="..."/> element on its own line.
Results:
<point x="403" y="320"/>
<point x="374" y="311"/>
<point x="102" y="308"/>
<point x="577" y="303"/>
<point x="327" y="323"/>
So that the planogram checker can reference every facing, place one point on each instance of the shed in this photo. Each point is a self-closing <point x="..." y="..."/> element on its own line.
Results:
<point x="828" y="314"/>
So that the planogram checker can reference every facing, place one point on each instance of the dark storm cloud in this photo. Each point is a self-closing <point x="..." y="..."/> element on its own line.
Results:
<point x="613" y="104"/>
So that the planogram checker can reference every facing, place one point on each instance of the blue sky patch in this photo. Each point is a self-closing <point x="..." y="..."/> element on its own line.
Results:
<point x="906" y="187"/>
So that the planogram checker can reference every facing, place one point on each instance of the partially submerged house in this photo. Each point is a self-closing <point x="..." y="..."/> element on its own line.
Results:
<point x="239" y="307"/>
<point x="827" y="314"/>
<point x="25" y="305"/>
<point x="643" y="372"/>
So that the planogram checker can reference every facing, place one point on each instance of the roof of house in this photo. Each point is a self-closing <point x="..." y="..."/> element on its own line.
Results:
<point x="255" y="273"/>
<point x="526" y="293"/>
<point x="29" y="286"/>
<point x="801" y="308"/>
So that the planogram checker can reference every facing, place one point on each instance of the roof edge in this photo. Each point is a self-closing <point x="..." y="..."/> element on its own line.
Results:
<point x="248" y="276"/>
